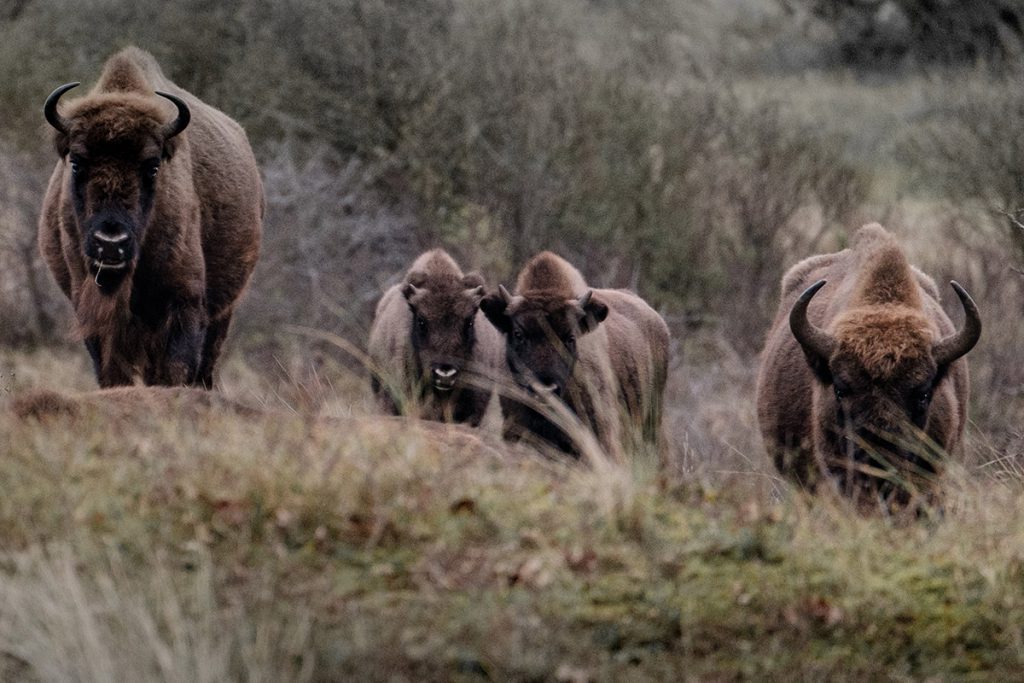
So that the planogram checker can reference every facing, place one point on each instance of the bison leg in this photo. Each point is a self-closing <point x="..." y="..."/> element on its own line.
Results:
<point x="385" y="399"/>
<point x="92" y="345"/>
<point x="215" y="335"/>
<point x="180" y="363"/>
<point x="110" y="374"/>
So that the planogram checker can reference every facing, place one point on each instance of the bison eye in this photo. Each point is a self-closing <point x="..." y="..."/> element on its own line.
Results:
<point x="421" y="324"/>
<point x="839" y="391"/>
<point x="517" y="336"/>
<point x="152" y="168"/>
<point x="924" y="399"/>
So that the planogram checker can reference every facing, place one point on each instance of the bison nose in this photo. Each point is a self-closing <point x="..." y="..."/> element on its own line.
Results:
<point x="444" y="371"/>
<point x="546" y="384"/>
<point x="444" y="377"/>
<point x="114" y="239"/>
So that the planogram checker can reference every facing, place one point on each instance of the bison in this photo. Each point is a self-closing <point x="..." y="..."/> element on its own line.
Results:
<point x="151" y="223"/>
<point x="863" y="373"/>
<point x="602" y="352"/>
<point x="429" y="343"/>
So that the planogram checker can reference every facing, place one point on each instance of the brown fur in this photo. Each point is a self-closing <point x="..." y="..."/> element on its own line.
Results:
<point x="436" y="288"/>
<point x="167" y="316"/>
<point x="621" y="354"/>
<point x="885" y="317"/>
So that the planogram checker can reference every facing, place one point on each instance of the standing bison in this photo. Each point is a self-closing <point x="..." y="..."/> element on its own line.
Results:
<point x="151" y="223"/>
<point x="602" y="352"/>
<point x="863" y="373"/>
<point x="431" y="346"/>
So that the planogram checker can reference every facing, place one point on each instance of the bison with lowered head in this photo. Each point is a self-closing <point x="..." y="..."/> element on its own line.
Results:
<point x="151" y="222"/>
<point x="603" y="353"/>
<point x="431" y="346"/>
<point x="863" y="373"/>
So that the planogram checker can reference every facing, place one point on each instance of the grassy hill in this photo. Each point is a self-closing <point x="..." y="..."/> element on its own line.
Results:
<point x="177" y="539"/>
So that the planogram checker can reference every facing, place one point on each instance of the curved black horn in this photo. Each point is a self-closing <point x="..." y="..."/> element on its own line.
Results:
<point x="50" y="108"/>
<point x="815" y="341"/>
<point x="181" y="122"/>
<point x="963" y="340"/>
<point x="585" y="299"/>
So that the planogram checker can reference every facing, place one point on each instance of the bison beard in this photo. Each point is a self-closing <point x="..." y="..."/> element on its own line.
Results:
<point x="151" y="223"/>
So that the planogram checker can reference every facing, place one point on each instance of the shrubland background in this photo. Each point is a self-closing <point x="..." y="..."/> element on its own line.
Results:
<point x="692" y="150"/>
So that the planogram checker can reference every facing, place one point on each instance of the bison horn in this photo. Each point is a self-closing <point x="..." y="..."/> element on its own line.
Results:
<point x="585" y="299"/>
<point x="816" y="342"/>
<point x="963" y="340"/>
<point x="504" y="293"/>
<point x="181" y="122"/>
<point x="50" y="108"/>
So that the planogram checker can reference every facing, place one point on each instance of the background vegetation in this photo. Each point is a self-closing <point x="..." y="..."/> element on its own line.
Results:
<point x="690" y="150"/>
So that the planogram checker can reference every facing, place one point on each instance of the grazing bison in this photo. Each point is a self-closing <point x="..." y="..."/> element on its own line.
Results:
<point x="858" y="370"/>
<point x="430" y="344"/>
<point x="151" y="223"/>
<point x="603" y="352"/>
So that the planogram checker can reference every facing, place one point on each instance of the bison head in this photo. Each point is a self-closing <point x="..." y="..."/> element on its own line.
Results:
<point x="113" y="145"/>
<point x="541" y="334"/>
<point x="877" y="374"/>
<point x="443" y="314"/>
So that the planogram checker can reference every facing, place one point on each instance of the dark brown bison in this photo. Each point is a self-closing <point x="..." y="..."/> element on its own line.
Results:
<point x="151" y="223"/>
<point x="431" y="347"/>
<point x="863" y="377"/>
<point x="602" y="352"/>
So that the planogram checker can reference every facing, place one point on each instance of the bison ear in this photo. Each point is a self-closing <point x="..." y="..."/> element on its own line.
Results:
<point x="409" y="290"/>
<point x="170" y="147"/>
<point x="61" y="143"/>
<point x="416" y="278"/>
<point x="474" y="284"/>
<point x="593" y="312"/>
<point x="473" y="280"/>
<point x="819" y="366"/>
<point x="495" y="307"/>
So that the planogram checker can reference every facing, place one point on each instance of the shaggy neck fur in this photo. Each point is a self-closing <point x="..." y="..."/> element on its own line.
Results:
<point x="436" y="264"/>
<point x="884" y="326"/>
<point x="548" y="275"/>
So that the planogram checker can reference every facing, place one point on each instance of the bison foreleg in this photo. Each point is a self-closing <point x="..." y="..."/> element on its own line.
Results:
<point x="214" y="340"/>
<point x="110" y="372"/>
<point x="92" y="345"/>
<point x="185" y="336"/>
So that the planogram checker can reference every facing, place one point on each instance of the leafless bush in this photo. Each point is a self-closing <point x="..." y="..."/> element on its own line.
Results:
<point x="331" y="244"/>
<point x="972" y="153"/>
<point x="30" y="309"/>
<point x="972" y="150"/>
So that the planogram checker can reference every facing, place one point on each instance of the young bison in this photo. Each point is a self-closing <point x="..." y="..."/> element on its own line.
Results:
<point x="151" y="223"/>
<point x="857" y="371"/>
<point x="602" y="352"/>
<point x="431" y="346"/>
